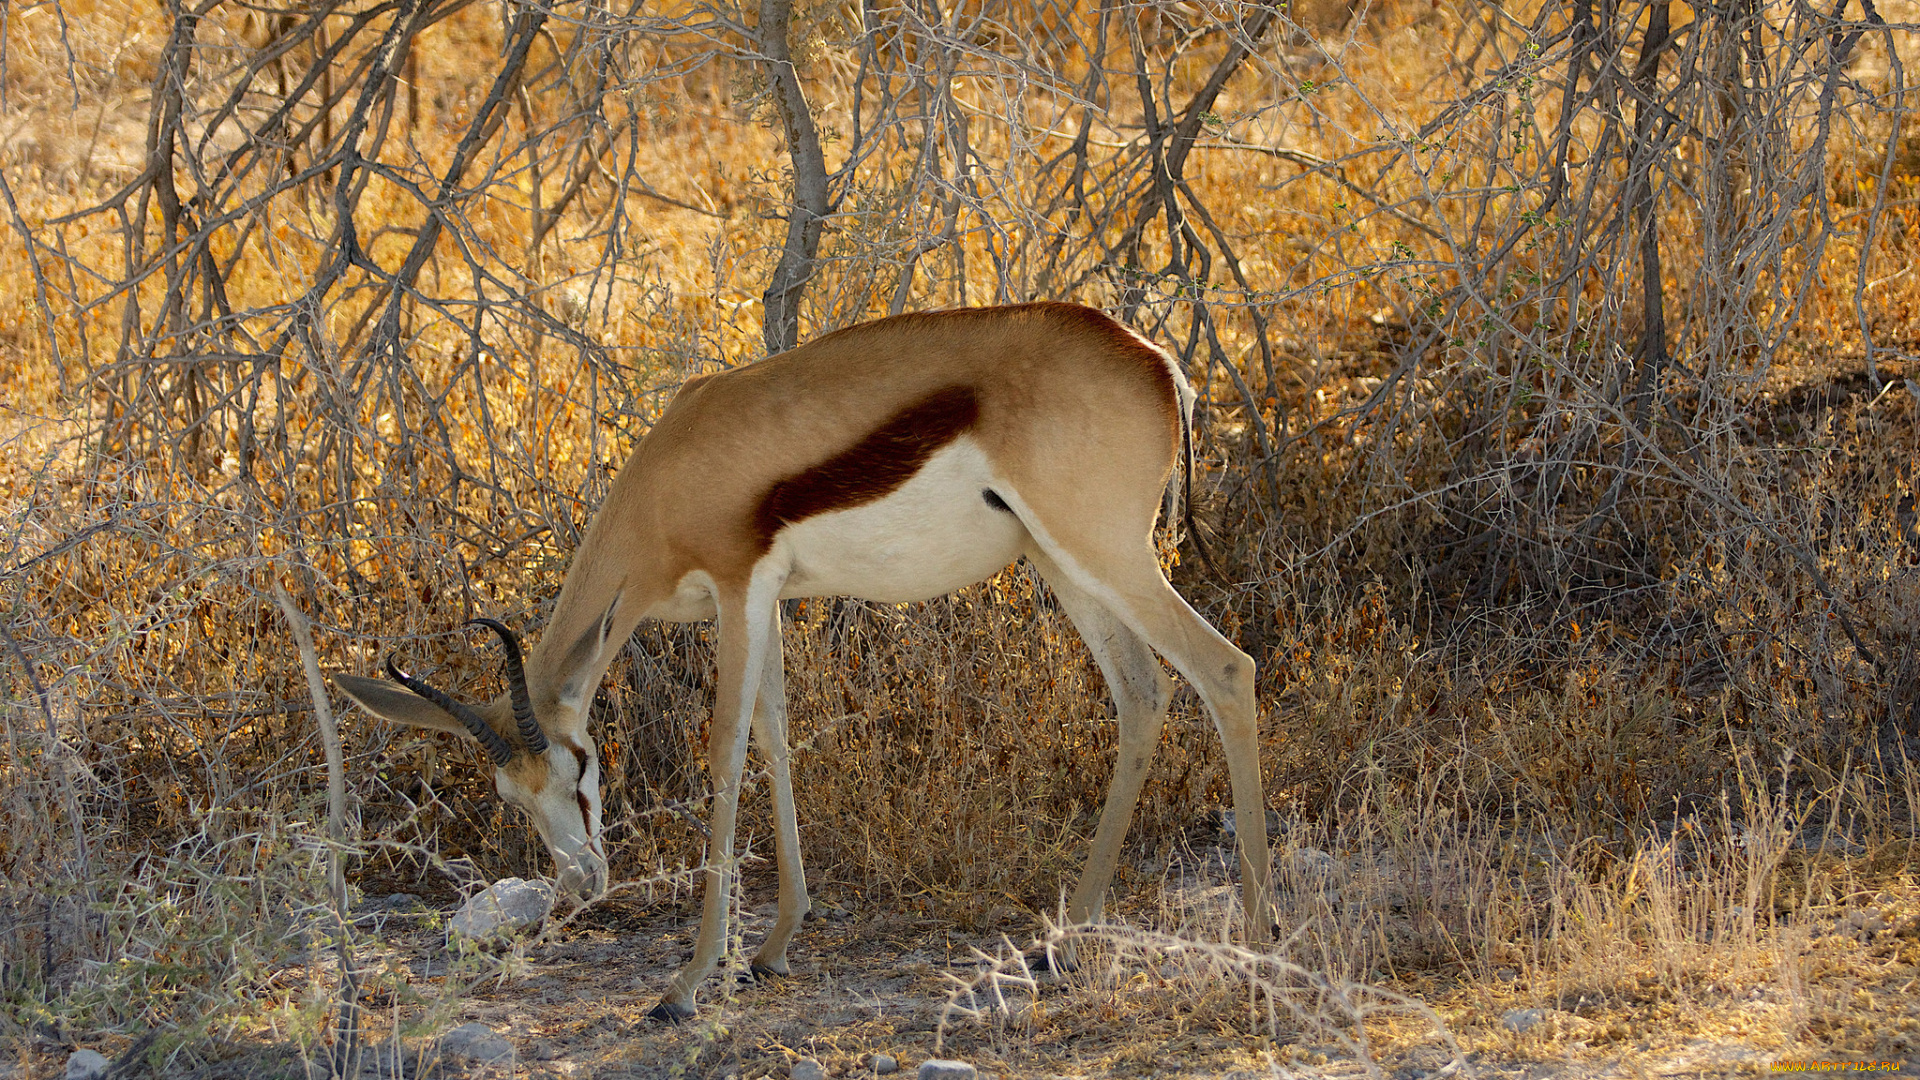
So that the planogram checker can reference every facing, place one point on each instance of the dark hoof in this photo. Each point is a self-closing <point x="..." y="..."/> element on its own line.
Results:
<point x="757" y="973"/>
<point x="668" y="1013"/>
<point x="1051" y="960"/>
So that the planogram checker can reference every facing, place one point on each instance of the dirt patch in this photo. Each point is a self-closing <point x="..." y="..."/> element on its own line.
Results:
<point x="1161" y="993"/>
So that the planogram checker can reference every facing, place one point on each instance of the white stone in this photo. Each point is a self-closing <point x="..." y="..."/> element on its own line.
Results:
<point x="500" y="908"/>
<point x="1521" y="1021"/>
<point x="87" y="1065"/>
<point x="477" y="1042"/>
<point x="807" y="1069"/>
<point x="1864" y="923"/>
<point x="1312" y="862"/>
<point x="884" y="1064"/>
<point x="938" y="1069"/>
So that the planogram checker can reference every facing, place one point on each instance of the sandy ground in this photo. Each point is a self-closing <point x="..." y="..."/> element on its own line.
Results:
<point x="873" y="982"/>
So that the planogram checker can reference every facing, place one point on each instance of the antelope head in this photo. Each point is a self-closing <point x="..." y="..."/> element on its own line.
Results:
<point x="556" y="781"/>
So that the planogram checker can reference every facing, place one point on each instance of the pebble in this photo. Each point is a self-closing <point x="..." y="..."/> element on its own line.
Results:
<point x="1227" y="823"/>
<point x="1312" y="862"/>
<point x="829" y="912"/>
<point x="87" y="1065"/>
<point x="1864" y="923"/>
<point x="477" y="1042"/>
<point x="1521" y="1021"/>
<point x="807" y="1069"/>
<point x="884" y="1064"/>
<point x="380" y="1061"/>
<point x="939" y="1069"/>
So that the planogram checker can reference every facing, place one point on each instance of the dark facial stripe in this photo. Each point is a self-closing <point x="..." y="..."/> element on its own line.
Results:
<point x="579" y="791"/>
<point x="872" y="468"/>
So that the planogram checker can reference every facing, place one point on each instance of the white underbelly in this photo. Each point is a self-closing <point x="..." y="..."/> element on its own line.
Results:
<point x="932" y="535"/>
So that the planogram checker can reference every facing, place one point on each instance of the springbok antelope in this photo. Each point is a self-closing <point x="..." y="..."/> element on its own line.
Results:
<point x="892" y="461"/>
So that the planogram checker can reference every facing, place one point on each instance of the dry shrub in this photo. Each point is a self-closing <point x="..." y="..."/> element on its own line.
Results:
<point x="1122" y="970"/>
<point x="1544" y="948"/>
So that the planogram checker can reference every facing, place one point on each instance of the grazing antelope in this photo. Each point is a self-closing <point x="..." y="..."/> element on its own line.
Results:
<point x="893" y="461"/>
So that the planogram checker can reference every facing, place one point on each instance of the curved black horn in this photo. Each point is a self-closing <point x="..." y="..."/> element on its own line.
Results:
<point x="530" y="732"/>
<point x="497" y="747"/>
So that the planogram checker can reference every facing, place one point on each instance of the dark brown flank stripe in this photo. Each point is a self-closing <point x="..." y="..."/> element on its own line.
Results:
<point x="872" y="468"/>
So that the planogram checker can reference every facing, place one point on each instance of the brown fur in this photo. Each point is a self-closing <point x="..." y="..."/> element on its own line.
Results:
<point x="1100" y="326"/>
<point x="1060" y="396"/>
<point x="529" y="770"/>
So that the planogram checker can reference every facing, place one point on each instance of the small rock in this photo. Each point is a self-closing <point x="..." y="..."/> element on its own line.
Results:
<point x="1227" y="823"/>
<point x="501" y="908"/>
<point x="807" y="1069"/>
<point x="383" y="905"/>
<point x="1520" y="1021"/>
<point x="829" y="912"/>
<point x="87" y="1065"/>
<point x="477" y="1042"/>
<point x="884" y="1064"/>
<point x="937" y="1069"/>
<point x="1315" y="865"/>
<point x="1864" y="923"/>
<point x="386" y="1061"/>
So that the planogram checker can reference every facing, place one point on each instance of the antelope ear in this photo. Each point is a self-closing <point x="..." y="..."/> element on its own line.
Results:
<point x="398" y="705"/>
<point x="582" y="658"/>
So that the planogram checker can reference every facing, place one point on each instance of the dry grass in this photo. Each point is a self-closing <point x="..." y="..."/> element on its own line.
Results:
<point x="1587" y="678"/>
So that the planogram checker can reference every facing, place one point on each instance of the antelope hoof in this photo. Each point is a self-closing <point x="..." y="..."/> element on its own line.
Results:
<point x="668" y="1012"/>
<point x="761" y="973"/>
<point x="1054" y="960"/>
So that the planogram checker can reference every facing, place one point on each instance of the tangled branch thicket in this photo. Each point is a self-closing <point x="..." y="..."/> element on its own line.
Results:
<point x="1554" y="412"/>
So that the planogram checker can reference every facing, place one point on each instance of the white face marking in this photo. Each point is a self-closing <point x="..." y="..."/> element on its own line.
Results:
<point x="566" y="813"/>
<point x="932" y="535"/>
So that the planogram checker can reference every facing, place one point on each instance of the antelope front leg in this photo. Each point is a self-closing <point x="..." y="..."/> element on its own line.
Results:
<point x="742" y="651"/>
